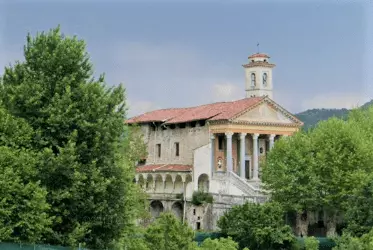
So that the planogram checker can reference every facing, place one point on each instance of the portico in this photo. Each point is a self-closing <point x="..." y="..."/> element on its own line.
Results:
<point x="245" y="145"/>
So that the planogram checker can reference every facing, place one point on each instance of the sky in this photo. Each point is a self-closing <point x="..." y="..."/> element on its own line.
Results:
<point x="187" y="53"/>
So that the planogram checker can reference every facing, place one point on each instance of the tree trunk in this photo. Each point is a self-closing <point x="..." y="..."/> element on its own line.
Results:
<point x="331" y="224"/>
<point x="301" y="229"/>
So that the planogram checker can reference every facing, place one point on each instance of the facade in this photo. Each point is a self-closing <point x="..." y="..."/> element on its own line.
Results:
<point x="216" y="148"/>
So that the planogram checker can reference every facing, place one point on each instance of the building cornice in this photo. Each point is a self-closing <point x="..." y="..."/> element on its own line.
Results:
<point x="259" y="64"/>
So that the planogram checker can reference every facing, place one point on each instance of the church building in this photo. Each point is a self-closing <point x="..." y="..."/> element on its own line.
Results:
<point x="216" y="148"/>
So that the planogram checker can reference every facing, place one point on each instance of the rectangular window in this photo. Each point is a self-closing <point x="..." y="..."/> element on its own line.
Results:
<point x="176" y="148"/>
<point x="221" y="142"/>
<point x="159" y="150"/>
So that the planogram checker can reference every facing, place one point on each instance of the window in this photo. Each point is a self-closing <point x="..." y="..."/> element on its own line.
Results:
<point x="198" y="225"/>
<point x="253" y="83"/>
<point x="142" y="162"/>
<point x="159" y="150"/>
<point x="265" y="79"/>
<point x="176" y="148"/>
<point x="221" y="142"/>
<point x="194" y="211"/>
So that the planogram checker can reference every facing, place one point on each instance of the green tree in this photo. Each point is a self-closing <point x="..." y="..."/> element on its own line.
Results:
<point x="169" y="233"/>
<point x="219" y="244"/>
<point x="23" y="206"/>
<point x="311" y="243"/>
<point x="257" y="226"/>
<point x="321" y="168"/>
<point x="343" y="163"/>
<point x="85" y="161"/>
<point x="289" y="175"/>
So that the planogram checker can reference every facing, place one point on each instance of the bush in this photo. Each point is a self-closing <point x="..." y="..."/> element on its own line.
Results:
<point x="200" y="197"/>
<point x="311" y="243"/>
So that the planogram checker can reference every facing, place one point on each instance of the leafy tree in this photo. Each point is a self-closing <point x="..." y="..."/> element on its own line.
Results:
<point x="169" y="233"/>
<point x="85" y="162"/>
<point x="257" y="226"/>
<point x="321" y="168"/>
<point x="23" y="206"/>
<point x="311" y="243"/>
<point x="347" y="242"/>
<point x="359" y="214"/>
<point x="289" y="175"/>
<point x="219" y="244"/>
<point x="343" y="162"/>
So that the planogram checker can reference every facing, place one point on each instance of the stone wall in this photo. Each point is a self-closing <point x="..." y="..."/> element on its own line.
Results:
<point x="189" y="138"/>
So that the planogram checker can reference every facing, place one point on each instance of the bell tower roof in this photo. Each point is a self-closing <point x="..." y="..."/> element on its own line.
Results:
<point x="257" y="55"/>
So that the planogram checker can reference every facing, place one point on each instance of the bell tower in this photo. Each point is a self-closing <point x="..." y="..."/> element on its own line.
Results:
<point x="258" y="75"/>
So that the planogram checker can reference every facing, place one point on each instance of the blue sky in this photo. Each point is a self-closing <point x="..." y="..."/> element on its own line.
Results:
<point x="186" y="53"/>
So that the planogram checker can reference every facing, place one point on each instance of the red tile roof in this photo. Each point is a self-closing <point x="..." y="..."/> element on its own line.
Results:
<point x="164" y="168"/>
<point x="258" y="55"/>
<point x="214" y="111"/>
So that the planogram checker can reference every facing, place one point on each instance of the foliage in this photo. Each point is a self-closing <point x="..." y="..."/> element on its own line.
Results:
<point x="219" y="244"/>
<point x="289" y="173"/>
<point x="311" y="243"/>
<point x="347" y="242"/>
<point x="23" y="206"/>
<point x="169" y="233"/>
<point x="359" y="214"/>
<point x="320" y="168"/>
<point x="200" y="197"/>
<point x="85" y="151"/>
<point x="257" y="226"/>
<point x="312" y="117"/>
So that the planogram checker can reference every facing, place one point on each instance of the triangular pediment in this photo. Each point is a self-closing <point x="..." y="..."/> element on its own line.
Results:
<point x="267" y="112"/>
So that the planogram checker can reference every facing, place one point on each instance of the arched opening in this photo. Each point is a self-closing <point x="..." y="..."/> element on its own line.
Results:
<point x="149" y="183"/>
<point x="169" y="185"/>
<point x="177" y="209"/>
<point x="141" y="181"/>
<point x="156" y="208"/>
<point x="203" y="183"/>
<point x="253" y="80"/>
<point x="178" y="185"/>
<point x="265" y="79"/>
<point x="158" y="184"/>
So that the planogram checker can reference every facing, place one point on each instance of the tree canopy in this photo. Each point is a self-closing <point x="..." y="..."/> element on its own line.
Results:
<point x="83" y="152"/>
<point x="322" y="168"/>
<point x="257" y="226"/>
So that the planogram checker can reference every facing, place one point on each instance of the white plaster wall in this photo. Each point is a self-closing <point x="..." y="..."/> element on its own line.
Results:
<point x="189" y="190"/>
<point x="224" y="187"/>
<point x="259" y="89"/>
<point x="202" y="163"/>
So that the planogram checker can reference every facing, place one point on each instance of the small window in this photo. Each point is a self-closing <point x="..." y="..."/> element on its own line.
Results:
<point x="193" y="124"/>
<point x="265" y="76"/>
<point x="253" y="80"/>
<point x="194" y="211"/>
<point x="182" y="125"/>
<point x="221" y="142"/>
<point x="159" y="150"/>
<point x="198" y="225"/>
<point x="142" y="162"/>
<point x="176" y="148"/>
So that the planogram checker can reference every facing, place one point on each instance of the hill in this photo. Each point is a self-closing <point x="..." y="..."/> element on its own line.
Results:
<point x="312" y="116"/>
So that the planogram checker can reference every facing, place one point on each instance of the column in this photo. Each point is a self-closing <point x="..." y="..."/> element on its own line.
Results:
<point x="242" y="154"/>
<point x="212" y="141"/>
<point x="229" y="151"/>
<point x="255" y="157"/>
<point x="271" y="141"/>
